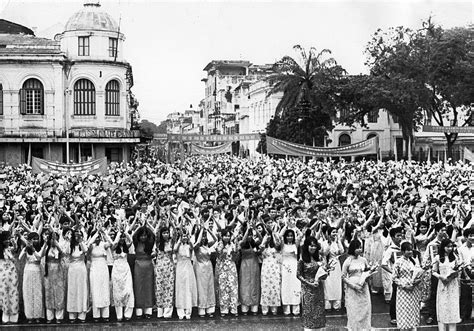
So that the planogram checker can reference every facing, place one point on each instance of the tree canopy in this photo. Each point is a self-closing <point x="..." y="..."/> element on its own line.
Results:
<point x="416" y="74"/>
<point x="304" y="113"/>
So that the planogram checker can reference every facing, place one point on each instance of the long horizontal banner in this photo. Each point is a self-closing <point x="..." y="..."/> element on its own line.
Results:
<point x="215" y="137"/>
<point x="448" y="129"/>
<point x="277" y="146"/>
<point x="211" y="150"/>
<point x="98" y="166"/>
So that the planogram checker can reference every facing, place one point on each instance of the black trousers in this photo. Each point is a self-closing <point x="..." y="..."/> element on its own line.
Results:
<point x="431" y="303"/>
<point x="465" y="303"/>
<point x="393" y="303"/>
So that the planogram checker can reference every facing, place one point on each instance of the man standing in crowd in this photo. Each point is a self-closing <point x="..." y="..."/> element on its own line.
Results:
<point x="388" y="260"/>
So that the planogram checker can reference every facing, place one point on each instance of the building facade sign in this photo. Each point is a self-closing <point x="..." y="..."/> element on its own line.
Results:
<point x="448" y="129"/>
<point x="104" y="133"/>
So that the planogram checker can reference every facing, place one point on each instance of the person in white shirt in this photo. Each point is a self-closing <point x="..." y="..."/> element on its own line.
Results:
<point x="388" y="260"/>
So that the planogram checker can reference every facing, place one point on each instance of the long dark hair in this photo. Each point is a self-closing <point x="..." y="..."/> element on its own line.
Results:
<point x="4" y="236"/>
<point x="250" y="242"/>
<point x="150" y="239"/>
<point x="354" y="244"/>
<point x="286" y="234"/>
<point x="48" y="247"/>
<point x="37" y="246"/>
<point x="305" y="255"/>
<point x="161" y="242"/>
<point x="442" y="246"/>
<point x="122" y="245"/>
<point x="270" y="242"/>
<point x="224" y="233"/>
<point x="73" y="242"/>
<point x="418" y="226"/>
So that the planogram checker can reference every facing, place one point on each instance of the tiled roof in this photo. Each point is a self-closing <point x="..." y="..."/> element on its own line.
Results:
<point x="21" y="44"/>
<point x="22" y="40"/>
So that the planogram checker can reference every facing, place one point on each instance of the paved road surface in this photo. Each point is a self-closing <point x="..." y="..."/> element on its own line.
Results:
<point x="335" y="322"/>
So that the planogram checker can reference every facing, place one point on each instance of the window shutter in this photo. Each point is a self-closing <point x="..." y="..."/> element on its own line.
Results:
<point x="42" y="102"/>
<point x="22" y="96"/>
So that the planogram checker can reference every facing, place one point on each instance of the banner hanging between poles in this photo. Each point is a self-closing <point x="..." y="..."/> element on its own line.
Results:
<point x="98" y="166"/>
<point x="277" y="146"/>
<point x="211" y="150"/>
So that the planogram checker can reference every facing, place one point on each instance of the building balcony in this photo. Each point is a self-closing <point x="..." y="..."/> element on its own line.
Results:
<point x="230" y="118"/>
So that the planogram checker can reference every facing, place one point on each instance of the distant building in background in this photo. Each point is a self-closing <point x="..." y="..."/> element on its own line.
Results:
<point x="222" y="78"/>
<point x="237" y="100"/>
<point x="77" y="84"/>
<point x="257" y="110"/>
<point x="185" y="123"/>
<point x="378" y="124"/>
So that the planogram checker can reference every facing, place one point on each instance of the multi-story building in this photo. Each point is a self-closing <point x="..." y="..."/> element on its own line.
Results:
<point x="378" y="124"/>
<point x="184" y="123"/>
<point x="222" y="78"/>
<point x="257" y="109"/>
<point x="237" y="100"/>
<point x="391" y="142"/>
<point x="66" y="99"/>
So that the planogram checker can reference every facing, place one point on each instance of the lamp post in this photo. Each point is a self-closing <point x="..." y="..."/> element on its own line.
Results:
<point x="67" y="92"/>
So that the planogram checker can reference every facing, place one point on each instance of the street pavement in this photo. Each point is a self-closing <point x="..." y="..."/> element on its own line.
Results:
<point x="335" y="321"/>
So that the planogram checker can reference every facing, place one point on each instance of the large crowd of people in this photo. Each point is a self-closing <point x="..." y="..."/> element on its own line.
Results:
<point x="230" y="236"/>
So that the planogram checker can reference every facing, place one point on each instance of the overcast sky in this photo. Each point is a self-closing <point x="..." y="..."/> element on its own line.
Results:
<point x="169" y="43"/>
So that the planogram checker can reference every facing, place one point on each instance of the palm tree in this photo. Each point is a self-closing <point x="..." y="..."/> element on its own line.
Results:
<point x="309" y="87"/>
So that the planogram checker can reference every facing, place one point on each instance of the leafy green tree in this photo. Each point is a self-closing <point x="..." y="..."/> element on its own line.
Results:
<point x="305" y="112"/>
<point x="148" y="129"/>
<point x="425" y="72"/>
<point x="366" y="93"/>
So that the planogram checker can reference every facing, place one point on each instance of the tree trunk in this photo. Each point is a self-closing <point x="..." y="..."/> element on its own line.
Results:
<point x="450" y="140"/>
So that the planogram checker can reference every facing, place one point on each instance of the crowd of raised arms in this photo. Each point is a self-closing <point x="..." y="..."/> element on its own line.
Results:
<point x="232" y="236"/>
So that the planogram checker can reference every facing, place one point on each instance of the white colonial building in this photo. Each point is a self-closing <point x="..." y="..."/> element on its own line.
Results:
<point x="66" y="99"/>
<point x="257" y="109"/>
<point x="237" y="100"/>
<point x="378" y="124"/>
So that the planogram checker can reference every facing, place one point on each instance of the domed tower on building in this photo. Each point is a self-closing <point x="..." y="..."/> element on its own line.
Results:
<point x="67" y="99"/>
<point x="92" y="34"/>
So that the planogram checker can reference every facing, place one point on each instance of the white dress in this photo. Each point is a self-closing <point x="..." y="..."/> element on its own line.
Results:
<point x="77" y="294"/>
<point x="447" y="303"/>
<point x="333" y="283"/>
<point x="290" y="285"/>
<point x="99" y="277"/>
<point x="122" y="284"/>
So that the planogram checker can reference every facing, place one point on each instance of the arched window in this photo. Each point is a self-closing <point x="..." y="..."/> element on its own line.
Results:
<point x="1" y="99"/>
<point x="344" y="139"/>
<point x="32" y="97"/>
<point x="112" y="98"/>
<point x="84" y="97"/>
<point x="371" y="135"/>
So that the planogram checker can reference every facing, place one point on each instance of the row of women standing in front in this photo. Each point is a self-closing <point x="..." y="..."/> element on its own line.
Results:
<point x="65" y="278"/>
<point x="194" y="283"/>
